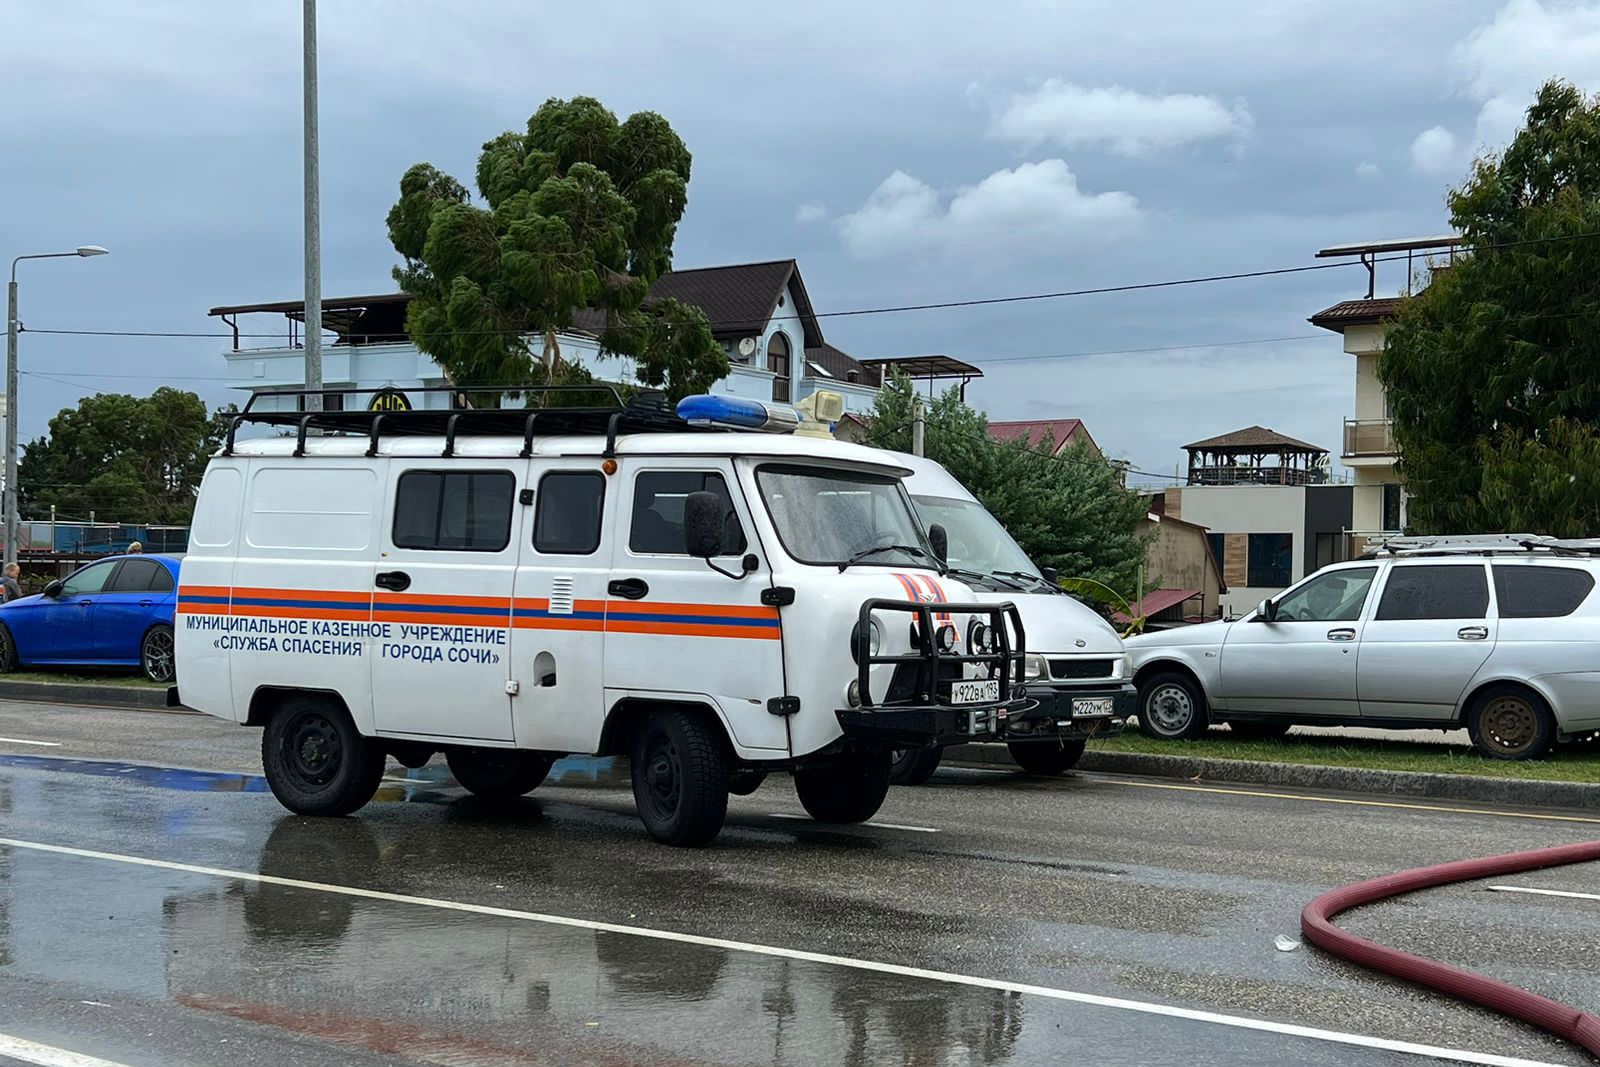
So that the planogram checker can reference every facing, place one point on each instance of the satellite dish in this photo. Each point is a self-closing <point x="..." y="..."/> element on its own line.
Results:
<point x="747" y="347"/>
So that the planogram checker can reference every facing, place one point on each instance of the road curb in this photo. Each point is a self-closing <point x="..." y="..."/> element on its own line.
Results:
<point x="87" y="693"/>
<point x="1519" y="792"/>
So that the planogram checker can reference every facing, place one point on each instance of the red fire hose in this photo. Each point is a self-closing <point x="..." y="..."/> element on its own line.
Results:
<point x="1560" y="1019"/>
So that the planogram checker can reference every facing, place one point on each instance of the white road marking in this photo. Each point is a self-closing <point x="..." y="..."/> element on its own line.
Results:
<point x="412" y="781"/>
<point x="25" y="741"/>
<point x="1545" y="892"/>
<point x="880" y="825"/>
<point x="1484" y="1059"/>
<point x="20" y="1048"/>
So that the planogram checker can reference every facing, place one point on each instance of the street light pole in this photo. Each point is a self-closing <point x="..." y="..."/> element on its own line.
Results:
<point x="13" y="526"/>
<point x="313" y="211"/>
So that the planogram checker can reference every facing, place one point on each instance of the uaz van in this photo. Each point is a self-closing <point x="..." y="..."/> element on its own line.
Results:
<point x="506" y="586"/>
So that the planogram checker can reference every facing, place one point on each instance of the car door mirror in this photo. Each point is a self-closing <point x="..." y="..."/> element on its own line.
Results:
<point x="1050" y="575"/>
<point x="702" y="524"/>
<point x="940" y="540"/>
<point x="53" y="590"/>
<point x="1267" y="610"/>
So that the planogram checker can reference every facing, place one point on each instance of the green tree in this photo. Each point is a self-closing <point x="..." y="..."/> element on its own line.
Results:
<point x="1069" y="512"/>
<point x="579" y="217"/>
<point x="1493" y="370"/>
<point x="128" y="459"/>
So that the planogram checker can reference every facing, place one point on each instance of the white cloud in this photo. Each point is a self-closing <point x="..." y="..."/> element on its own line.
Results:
<point x="1504" y="61"/>
<point x="1368" y="170"/>
<point x="1035" y="207"/>
<point x="811" y="212"/>
<point x="1435" y="151"/>
<point x="1131" y="123"/>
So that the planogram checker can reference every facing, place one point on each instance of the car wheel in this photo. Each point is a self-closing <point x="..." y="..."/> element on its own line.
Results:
<point x="8" y="651"/>
<point x="743" y="783"/>
<point x="913" y="766"/>
<point x="1046" y="757"/>
<point x="157" y="656"/>
<point x="680" y="778"/>
<point x="848" y="789"/>
<point x="1511" y="723"/>
<point x="500" y="774"/>
<point x="1171" y="707"/>
<point x="316" y="761"/>
<point x="1259" y="731"/>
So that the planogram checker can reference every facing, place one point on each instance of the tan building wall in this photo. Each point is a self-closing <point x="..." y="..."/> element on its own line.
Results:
<point x="1180" y="558"/>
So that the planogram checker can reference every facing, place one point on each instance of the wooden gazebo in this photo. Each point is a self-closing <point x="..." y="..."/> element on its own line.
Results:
<point x="1256" y="455"/>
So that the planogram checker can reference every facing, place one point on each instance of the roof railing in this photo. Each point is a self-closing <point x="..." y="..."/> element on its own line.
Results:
<point x="647" y="412"/>
<point x="1484" y="545"/>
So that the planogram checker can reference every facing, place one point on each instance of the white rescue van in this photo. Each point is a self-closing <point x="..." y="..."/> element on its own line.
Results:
<point x="509" y="586"/>
<point x="1078" y="674"/>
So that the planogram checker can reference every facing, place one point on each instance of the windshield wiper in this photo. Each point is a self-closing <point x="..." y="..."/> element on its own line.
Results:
<point x="875" y="549"/>
<point x="1003" y="577"/>
<point x="1034" y="578"/>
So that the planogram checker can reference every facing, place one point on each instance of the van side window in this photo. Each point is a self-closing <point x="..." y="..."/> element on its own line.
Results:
<point x="1438" y="592"/>
<point x="467" y="511"/>
<point x="566" y="520"/>
<point x="658" y="497"/>
<point x="1540" y="592"/>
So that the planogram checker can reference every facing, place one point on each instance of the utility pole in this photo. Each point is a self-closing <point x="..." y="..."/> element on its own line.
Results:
<point x="919" y="426"/>
<point x="313" y="216"/>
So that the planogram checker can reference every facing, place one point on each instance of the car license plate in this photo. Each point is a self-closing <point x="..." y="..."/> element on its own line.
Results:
<point x="975" y="692"/>
<point x="1092" y="706"/>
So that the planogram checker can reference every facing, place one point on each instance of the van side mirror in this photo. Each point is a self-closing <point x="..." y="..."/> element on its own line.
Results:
<point x="703" y="514"/>
<point x="1050" y="575"/>
<point x="940" y="540"/>
<point x="1267" y="610"/>
<point x="53" y="590"/>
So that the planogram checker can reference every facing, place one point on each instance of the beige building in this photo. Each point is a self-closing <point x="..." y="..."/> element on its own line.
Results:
<point x="1379" y="505"/>
<point x="1181" y="562"/>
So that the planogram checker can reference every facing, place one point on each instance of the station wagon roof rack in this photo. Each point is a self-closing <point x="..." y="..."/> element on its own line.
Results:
<point x="545" y="413"/>
<point x="1484" y="545"/>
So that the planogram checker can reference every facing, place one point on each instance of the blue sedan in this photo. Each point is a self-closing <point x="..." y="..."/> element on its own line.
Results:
<point x="115" y="612"/>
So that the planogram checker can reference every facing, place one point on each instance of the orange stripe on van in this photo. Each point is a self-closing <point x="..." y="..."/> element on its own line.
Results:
<point x="684" y="629"/>
<point x="729" y="611"/>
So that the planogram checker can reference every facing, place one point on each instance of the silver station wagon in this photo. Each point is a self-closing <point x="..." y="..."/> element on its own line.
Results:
<point x="1500" y="635"/>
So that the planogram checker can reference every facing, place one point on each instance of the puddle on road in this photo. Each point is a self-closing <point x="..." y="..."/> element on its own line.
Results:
<point x="161" y="777"/>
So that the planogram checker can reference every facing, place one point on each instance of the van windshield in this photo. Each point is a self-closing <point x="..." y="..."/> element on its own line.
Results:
<point x="977" y="540"/>
<point x="833" y="516"/>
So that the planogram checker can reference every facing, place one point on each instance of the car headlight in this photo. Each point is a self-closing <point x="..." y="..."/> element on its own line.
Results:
<point x="1122" y="666"/>
<point x="1034" y="667"/>
<point x="874" y="640"/>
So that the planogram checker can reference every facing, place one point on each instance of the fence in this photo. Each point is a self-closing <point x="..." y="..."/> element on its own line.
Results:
<point x="88" y="539"/>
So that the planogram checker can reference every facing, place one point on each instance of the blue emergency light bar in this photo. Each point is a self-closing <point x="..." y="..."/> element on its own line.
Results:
<point x="706" y="409"/>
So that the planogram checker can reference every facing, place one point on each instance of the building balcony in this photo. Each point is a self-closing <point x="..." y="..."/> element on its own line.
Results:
<point x="1369" y="439"/>
<point x="1229" y="474"/>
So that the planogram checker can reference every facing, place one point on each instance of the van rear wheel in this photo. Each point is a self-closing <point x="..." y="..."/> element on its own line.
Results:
<point x="849" y="789"/>
<point x="680" y="778"/>
<point x="914" y="766"/>
<point x="316" y="761"/>
<point x="500" y="774"/>
<point x="1509" y="722"/>
<point x="1046" y="757"/>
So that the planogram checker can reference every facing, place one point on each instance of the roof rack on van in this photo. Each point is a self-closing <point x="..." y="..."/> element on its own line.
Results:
<point x="1483" y="545"/>
<point x="647" y="412"/>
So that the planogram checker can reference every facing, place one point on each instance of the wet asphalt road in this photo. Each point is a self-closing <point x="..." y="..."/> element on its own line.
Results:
<point x="1156" y="893"/>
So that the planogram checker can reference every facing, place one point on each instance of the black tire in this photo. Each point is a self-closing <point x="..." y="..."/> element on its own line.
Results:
<point x="500" y="774"/>
<point x="1512" y="723"/>
<point x="1259" y="731"/>
<point x="8" y="651"/>
<point x="849" y="789"/>
<point x="316" y="761"/>
<point x="1046" y="757"/>
<point x="1172" y="707"/>
<point x="157" y="655"/>
<point x="913" y="766"/>
<point x="680" y="778"/>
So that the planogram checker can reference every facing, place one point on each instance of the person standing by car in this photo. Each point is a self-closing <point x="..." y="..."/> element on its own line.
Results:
<point x="9" y="585"/>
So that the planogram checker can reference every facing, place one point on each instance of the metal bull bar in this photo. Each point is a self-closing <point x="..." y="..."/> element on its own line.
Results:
<point x="928" y="715"/>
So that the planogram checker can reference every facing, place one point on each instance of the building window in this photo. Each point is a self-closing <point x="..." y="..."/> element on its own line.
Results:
<point x="1218" y="547"/>
<point x="330" y="402"/>
<point x="778" y="364"/>
<point x="1270" y="560"/>
<point x="1391" y="506"/>
<point x="467" y="511"/>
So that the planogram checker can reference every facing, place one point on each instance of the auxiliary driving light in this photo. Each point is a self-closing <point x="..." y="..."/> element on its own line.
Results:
<point x="946" y="636"/>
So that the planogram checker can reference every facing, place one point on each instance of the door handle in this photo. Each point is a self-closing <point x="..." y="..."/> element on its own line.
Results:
<point x="84" y="603"/>
<point x="1344" y="633"/>
<point x="146" y="603"/>
<point x="1473" y="633"/>
<point x="629" y="588"/>
<point x="395" y="580"/>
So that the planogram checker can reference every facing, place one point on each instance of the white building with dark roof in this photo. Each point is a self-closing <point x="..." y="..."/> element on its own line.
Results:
<point x="760" y="313"/>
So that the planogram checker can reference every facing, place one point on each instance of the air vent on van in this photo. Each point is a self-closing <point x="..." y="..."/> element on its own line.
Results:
<point x="561" y="595"/>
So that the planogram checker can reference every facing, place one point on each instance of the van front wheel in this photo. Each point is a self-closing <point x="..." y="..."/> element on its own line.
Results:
<point x="316" y="761"/>
<point x="680" y="778"/>
<point x="849" y="789"/>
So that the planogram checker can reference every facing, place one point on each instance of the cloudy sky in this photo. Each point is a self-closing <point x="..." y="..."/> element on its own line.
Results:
<point x="902" y="153"/>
